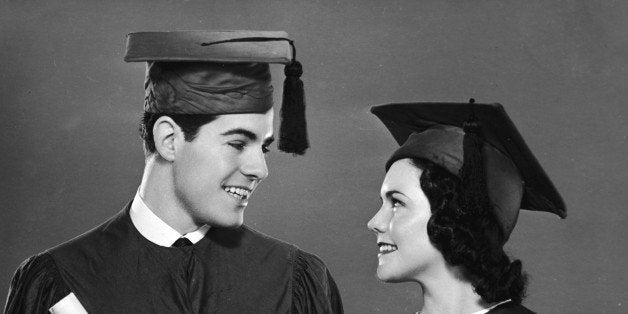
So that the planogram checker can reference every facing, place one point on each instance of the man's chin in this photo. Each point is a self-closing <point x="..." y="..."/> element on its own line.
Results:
<point x="235" y="223"/>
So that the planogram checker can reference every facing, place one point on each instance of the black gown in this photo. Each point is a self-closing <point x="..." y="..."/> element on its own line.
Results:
<point x="114" y="269"/>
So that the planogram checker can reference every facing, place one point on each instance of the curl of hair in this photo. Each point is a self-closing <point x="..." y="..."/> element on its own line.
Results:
<point x="469" y="237"/>
<point x="189" y="124"/>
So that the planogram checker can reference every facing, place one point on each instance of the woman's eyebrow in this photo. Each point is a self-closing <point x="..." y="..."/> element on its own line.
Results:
<point x="269" y="140"/>
<point x="391" y="192"/>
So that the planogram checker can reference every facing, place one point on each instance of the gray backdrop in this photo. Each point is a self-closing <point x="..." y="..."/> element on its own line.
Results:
<point x="71" y="155"/>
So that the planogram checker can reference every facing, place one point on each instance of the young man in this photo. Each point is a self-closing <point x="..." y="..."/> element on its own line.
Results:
<point x="180" y="246"/>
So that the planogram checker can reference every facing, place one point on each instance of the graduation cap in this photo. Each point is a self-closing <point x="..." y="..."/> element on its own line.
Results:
<point x="221" y="72"/>
<point x="444" y="133"/>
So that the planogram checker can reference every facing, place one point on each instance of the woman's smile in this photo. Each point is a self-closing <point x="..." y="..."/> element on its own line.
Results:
<point x="386" y="248"/>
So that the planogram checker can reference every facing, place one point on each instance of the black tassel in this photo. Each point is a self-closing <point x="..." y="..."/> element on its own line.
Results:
<point x="472" y="173"/>
<point x="474" y="192"/>
<point x="293" y="129"/>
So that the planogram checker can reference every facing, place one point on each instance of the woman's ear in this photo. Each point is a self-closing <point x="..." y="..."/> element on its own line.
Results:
<point x="165" y="132"/>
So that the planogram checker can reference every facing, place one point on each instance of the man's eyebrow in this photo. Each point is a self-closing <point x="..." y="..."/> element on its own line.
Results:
<point x="240" y="131"/>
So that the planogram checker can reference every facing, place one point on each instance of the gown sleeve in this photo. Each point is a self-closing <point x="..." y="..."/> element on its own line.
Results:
<point x="313" y="288"/>
<point x="36" y="286"/>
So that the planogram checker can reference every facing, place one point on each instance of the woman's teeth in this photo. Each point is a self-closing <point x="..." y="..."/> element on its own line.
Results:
<point x="387" y="248"/>
<point x="238" y="193"/>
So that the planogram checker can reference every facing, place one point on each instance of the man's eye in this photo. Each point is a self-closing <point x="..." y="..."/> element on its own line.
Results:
<point x="265" y="149"/>
<point x="237" y="145"/>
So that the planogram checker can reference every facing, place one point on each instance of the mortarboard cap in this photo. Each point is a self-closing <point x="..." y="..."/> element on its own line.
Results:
<point x="434" y="131"/>
<point x="221" y="72"/>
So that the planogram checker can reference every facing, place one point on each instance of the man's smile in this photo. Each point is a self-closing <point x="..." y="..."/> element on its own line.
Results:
<point x="240" y="193"/>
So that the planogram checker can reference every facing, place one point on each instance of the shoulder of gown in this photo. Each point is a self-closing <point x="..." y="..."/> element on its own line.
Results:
<point x="36" y="286"/>
<point x="313" y="288"/>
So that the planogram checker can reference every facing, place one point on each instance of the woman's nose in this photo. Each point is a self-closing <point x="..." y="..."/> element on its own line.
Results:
<point x="379" y="222"/>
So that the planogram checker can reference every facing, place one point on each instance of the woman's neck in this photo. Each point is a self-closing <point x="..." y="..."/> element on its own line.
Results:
<point x="447" y="291"/>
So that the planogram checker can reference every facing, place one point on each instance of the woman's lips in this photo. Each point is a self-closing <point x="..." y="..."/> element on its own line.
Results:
<point x="385" y="248"/>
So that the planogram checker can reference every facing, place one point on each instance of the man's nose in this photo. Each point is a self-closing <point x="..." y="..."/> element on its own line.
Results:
<point x="254" y="166"/>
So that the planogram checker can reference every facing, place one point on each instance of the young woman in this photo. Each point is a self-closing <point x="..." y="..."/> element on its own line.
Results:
<point x="450" y="199"/>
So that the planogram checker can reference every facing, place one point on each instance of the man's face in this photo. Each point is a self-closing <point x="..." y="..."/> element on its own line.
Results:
<point x="216" y="173"/>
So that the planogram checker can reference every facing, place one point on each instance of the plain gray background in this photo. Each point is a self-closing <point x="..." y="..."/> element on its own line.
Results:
<point x="71" y="156"/>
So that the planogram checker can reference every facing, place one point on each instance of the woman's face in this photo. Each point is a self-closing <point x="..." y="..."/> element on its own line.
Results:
<point x="405" y="250"/>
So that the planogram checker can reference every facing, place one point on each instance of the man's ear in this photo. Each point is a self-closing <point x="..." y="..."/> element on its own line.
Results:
<point x="165" y="132"/>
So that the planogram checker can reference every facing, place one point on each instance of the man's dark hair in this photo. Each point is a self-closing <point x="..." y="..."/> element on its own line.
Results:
<point x="472" y="240"/>
<point x="189" y="124"/>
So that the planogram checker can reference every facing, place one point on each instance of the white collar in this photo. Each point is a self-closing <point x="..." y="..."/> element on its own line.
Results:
<point x="492" y="307"/>
<point x="156" y="230"/>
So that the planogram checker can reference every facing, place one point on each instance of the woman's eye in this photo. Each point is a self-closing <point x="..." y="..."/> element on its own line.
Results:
<point x="265" y="149"/>
<point x="396" y="203"/>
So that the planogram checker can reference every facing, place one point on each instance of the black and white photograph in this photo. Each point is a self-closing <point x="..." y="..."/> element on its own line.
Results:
<point x="461" y="157"/>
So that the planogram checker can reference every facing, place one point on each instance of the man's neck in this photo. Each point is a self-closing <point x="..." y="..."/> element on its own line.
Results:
<point x="446" y="291"/>
<point x="157" y="191"/>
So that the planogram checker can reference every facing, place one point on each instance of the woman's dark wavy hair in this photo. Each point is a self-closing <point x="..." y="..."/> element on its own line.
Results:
<point x="470" y="238"/>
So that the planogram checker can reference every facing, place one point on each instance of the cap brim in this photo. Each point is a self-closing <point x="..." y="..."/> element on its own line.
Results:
<point x="406" y="118"/>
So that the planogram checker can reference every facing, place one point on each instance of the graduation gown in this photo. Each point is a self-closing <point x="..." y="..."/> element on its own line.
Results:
<point x="114" y="269"/>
